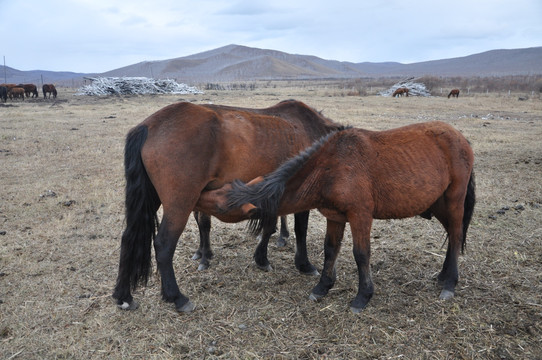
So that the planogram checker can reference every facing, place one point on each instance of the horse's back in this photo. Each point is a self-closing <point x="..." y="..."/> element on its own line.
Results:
<point x="392" y="166"/>
<point x="210" y="145"/>
<point x="436" y="143"/>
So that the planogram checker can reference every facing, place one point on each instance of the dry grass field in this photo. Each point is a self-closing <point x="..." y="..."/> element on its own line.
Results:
<point x="61" y="218"/>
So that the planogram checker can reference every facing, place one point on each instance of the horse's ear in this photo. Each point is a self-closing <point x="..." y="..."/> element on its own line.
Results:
<point x="248" y="209"/>
<point x="255" y="181"/>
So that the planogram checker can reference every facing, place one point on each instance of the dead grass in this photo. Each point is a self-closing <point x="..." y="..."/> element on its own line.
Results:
<point x="61" y="208"/>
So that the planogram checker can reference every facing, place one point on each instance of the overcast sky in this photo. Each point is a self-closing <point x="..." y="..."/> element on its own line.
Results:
<point x="101" y="35"/>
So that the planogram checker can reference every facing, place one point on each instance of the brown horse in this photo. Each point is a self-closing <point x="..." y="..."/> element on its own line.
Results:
<point x="355" y="176"/>
<point x="454" y="93"/>
<point x="49" y="88"/>
<point x="400" y="92"/>
<point x="16" y="92"/>
<point x="30" y="89"/>
<point x="184" y="149"/>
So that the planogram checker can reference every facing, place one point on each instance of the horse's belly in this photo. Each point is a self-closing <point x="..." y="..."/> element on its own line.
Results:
<point x="333" y="215"/>
<point x="406" y="203"/>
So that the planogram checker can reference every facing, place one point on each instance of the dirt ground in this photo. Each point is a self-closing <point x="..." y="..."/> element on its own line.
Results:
<point x="61" y="218"/>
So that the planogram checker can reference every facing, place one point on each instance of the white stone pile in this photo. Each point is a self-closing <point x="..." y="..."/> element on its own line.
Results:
<point x="134" y="86"/>
<point x="414" y="88"/>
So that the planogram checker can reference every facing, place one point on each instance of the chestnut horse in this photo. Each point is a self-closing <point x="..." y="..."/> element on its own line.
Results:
<point x="49" y="88"/>
<point x="355" y="176"/>
<point x="16" y="92"/>
<point x="400" y="92"/>
<point x="30" y="89"/>
<point x="454" y="93"/>
<point x="184" y="149"/>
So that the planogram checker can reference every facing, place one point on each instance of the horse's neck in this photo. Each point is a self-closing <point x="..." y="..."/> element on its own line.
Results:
<point x="301" y="192"/>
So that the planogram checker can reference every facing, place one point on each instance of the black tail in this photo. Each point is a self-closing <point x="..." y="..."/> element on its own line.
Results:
<point x="470" y="200"/>
<point x="142" y="202"/>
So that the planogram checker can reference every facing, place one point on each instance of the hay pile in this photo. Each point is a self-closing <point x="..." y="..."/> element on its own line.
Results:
<point x="133" y="86"/>
<point x="414" y="88"/>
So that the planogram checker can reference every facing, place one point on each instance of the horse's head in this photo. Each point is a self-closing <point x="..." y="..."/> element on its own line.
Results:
<point x="216" y="202"/>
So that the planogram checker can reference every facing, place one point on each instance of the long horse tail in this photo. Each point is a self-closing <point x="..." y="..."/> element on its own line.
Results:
<point x="142" y="203"/>
<point x="470" y="200"/>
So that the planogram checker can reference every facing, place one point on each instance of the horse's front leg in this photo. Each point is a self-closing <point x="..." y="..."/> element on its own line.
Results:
<point x="164" y="247"/>
<point x="302" y="262"/>
<point x="332" y="246"/>
<point x="204" y="253"/>
<point x="361" y="235"/>
<point x="260" y="255"/>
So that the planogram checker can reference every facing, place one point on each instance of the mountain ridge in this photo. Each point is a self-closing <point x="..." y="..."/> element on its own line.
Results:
<point x="243" y="63"/>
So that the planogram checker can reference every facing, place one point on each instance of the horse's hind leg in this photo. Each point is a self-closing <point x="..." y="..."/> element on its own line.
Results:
<point x="302" y="262"/>
<point x="260" y="255"/>
<point x="451" y="217"/>
<point x="164" y="246"/>
<point x="204" y="252"/>
<point x="284" y="233"/>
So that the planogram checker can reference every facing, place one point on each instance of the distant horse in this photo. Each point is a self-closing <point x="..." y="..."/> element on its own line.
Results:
<point x="8" y="86"/>
<point x="355" y="176"/>
<point x="400" y="92"/>
<point x="184" y="149"/>
<point x="454" y="93"/>
<point x="29" y="89"/>
<point x="4" y="93"/>
<point x="16" y="92"/>
<point x="49" y="88"/>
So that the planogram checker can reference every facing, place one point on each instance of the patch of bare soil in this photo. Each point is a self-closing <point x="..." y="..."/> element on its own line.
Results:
<point x="61" y="217"/>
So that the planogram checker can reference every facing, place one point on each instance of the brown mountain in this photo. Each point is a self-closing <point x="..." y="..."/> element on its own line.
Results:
<point x="237" y="63"/>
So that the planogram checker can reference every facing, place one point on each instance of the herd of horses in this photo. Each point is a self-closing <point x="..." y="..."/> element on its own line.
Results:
<point x="19" y="91"/>
<point x="258" y="164"/>
<point x="404" y="91"/>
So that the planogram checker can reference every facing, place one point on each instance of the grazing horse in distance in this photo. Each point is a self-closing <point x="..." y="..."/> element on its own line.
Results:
<point x="355" y="176"/>
<point x="8" y="86"/>
<point x="400" y="92"/>
<point x="30" y="89"/>
<point x="16" y="92"/>
<point x="49" y="88"/>
<point x="185" y="149"/>
<point x="454" y="93"/>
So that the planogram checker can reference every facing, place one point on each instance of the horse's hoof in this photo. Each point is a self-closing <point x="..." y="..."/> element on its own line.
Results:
<point x="196" y="256"/>
<point x="187" y="307"/>
<point x="310" y="272"/>
<point x="202" y="267"/>
<point x="281" y="242"/>
<point x="315" y="297"/>
<point x="128" y="305"/>
<point x="446" y="295"/>
<point x="356" y="310"/>
<point x="266" y="268"/>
